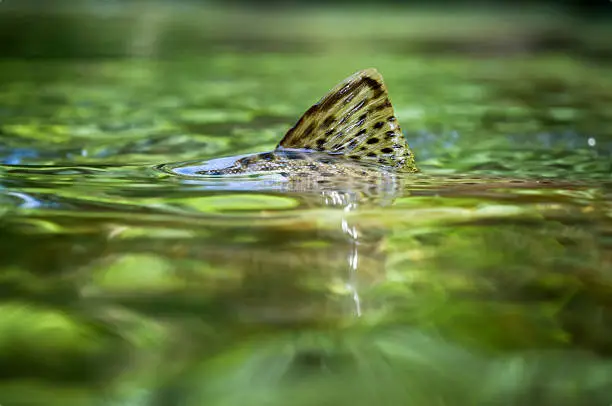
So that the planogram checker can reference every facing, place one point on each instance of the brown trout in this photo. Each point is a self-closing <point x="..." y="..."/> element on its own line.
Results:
<point x="351" y="136"/>
<point x="347" y="147"/>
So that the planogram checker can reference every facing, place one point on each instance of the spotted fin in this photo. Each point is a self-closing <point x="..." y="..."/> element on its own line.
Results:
<point x="355" y="119"/>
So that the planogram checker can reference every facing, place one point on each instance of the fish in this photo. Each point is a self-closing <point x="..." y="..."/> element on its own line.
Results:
<point x="348" y="147"/>
<point x="350" y="137"/>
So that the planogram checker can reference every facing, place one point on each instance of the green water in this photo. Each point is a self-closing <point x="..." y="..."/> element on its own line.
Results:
<point x="486" y="281"/>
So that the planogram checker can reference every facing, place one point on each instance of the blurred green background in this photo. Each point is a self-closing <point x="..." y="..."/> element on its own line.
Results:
<point x="123" y="284"/>
<point x="96" y="28"/>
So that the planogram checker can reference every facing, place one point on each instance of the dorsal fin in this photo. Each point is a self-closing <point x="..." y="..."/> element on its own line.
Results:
<point x="355" y="119"/>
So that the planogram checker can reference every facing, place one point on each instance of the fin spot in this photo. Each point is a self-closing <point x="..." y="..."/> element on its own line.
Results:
<point x="372" y="140"/>
<point x="389" y="135"/>
<point x="292" y="155"/>
<point x="329" y="120"/>
<point x="386" y="150"/>
<point x="309" y="130"/>
<point x="378" y="125"/>
<point x="360" y="105"/>
<point x="391" y="119"/>
<point x="374" y="84"/>
<point x="353" y="143"/>
<point x="372" y="154"/>
<point x="383" y="105"/>
<point x="266" y="156"/>
<point x="360" y="133"/>
<point x="247" y="161"/>
<point x="320" y="142"/>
